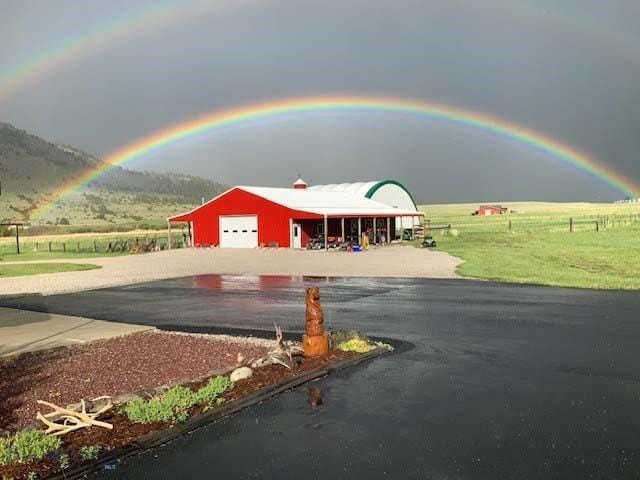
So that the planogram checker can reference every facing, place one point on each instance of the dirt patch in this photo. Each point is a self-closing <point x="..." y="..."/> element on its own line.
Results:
<point x="113" y="367"/>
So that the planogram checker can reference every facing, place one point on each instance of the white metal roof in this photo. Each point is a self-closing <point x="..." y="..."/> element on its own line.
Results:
<point x="359" y="188"/>
<point x="326" y="202"/>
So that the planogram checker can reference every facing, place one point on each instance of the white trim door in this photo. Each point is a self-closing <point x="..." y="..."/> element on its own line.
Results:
<point x="296" y="234"/>
<point x="239" y="231"/>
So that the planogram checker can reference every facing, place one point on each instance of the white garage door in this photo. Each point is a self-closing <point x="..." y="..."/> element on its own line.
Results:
<point x="239" y="232"/>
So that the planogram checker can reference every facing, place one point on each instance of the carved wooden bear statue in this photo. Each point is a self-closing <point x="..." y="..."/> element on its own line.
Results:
<point x="315" y="342"/>
<point x="315" y="315"/>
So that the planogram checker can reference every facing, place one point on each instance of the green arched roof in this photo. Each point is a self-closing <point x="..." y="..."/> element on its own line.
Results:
<point x="382" y="183"/>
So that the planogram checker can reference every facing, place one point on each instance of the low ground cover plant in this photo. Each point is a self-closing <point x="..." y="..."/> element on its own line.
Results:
<point x="64" y="461"/>
<point x="90" y="452"/>
<point x="173" y="405"/>
<point x="354" y="341"/>
<point x="341" y="336"/>
<point x="26" y="446"/>
<point x="356" y="345"/>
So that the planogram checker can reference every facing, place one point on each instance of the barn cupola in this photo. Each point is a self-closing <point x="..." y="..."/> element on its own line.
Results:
<point x="300" y="184"/>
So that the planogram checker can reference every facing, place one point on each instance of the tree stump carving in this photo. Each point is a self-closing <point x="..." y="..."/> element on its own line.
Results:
<point x="315" y="342"/>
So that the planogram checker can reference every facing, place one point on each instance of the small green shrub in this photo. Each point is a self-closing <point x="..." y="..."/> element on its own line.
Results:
<point x="212" y="390"/>
<point x="27" y="445"/>
<point x="354" y="341"/>
<point x="32" y="476"/>
<point x="356" y="345"/>
<point x="90" y="452"/>
<point x="341" y="336"/>
<point x="64" y="461"/>
<point x="171" y="406"/>
<point x="174" y="404"/>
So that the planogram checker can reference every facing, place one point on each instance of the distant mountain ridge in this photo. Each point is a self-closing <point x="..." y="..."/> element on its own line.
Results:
<point x="32" y="168"/>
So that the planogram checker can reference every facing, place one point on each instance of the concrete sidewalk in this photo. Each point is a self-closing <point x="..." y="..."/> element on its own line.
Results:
<point x="23" y="331"/>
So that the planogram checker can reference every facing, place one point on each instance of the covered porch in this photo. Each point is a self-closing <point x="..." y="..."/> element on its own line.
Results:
<point x="336" y="230"/>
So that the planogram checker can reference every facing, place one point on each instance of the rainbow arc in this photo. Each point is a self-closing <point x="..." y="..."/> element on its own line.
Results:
<point x="338" y="104"/>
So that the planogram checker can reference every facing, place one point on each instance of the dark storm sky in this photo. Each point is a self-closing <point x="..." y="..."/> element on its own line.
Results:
<point x="568" y="69"/>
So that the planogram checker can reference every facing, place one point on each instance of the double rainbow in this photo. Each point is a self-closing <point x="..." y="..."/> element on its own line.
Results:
<point x="349" y="103"/>
<point x="135" y="22"/>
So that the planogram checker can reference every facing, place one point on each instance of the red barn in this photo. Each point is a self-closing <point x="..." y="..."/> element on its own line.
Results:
<point x="488" y="210"/>
<point x="247" y="217"/>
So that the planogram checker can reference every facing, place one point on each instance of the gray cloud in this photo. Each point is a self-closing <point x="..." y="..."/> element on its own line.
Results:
<point x="569" y="73"/>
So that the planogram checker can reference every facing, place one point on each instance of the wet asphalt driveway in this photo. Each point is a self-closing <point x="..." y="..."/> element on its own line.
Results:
<point x="499" y="381"/>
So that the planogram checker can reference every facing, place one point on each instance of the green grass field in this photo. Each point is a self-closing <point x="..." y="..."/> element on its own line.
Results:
<point x="17" y="270"/>
<point x="539" y="249"/>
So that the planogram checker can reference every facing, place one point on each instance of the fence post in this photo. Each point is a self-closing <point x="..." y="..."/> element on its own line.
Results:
<point x="597" y="226"/>
<point x="36" y="246"/>
<point x="78" y="247"/>
<point x="64" y="247"/>
<point x="509" y="225"/>
<point x="49" y="247"/>
<point x="570" y="224"/>
<point x="94" y="246"/>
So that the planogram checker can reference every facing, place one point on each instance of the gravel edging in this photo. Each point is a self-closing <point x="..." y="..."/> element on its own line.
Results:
<point x="161" y="437"/>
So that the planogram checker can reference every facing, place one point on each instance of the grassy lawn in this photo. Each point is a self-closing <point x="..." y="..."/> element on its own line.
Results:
<point x="31" y="256"/>
<point x="540" y="249"/>
<point x="37" y="268"/>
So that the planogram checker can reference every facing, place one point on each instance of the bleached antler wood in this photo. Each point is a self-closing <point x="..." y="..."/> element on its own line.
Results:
<point x="282" y="354"/>
<point x="65" y="420"/>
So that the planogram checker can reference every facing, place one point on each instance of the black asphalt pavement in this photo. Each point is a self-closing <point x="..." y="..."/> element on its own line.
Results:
<point x="495" y="382"/>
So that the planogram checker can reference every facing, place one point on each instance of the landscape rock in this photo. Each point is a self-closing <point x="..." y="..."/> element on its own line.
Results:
<point x="240" y="374"/>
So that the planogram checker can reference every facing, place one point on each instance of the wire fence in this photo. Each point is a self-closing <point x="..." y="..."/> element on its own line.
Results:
<point x="549" y="224"/>
<point x="94" y="245"/>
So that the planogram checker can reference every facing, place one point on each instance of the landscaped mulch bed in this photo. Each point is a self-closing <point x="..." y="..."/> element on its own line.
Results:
<point x="113" y="367"/>
<point x="125" y="432"/>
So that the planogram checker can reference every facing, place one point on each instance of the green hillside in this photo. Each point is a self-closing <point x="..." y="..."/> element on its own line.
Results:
<point x="31" y="169"/>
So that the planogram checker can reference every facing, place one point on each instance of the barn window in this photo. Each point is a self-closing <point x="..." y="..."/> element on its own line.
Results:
<point x="320" y="229"/>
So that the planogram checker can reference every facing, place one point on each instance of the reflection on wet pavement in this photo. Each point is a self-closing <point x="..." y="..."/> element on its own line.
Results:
<point x="503" y="382"/>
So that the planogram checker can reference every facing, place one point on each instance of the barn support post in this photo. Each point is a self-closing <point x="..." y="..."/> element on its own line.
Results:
<point x="359" y="230"/>
<point x="190" y="239"/>
<point x="169" y="234"/>
<point x="388" y="230"/>
<point x="326" y="233"/>
<point x="342" y="229"/>
<point x="375" y="230"/>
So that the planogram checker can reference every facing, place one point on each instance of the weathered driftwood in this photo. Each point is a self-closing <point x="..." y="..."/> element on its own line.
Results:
<point x="65" y="420"/>
<point x="282" y="354"/>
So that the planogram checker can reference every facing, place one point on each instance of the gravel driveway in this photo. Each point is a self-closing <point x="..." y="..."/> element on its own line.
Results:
<point x="391" y="261"/>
